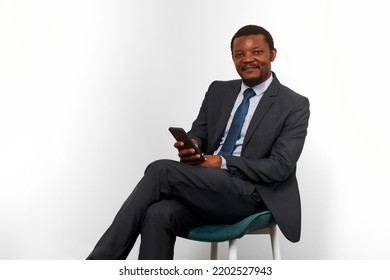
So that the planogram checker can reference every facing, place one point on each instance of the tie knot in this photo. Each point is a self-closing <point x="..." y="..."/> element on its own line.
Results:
<point x="249" y="93"/>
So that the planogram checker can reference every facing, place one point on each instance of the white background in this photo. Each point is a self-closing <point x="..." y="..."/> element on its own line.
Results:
<point x="89" y="88"/>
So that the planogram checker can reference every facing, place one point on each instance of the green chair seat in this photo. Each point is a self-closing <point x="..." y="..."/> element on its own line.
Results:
<point x="220" y="233"/>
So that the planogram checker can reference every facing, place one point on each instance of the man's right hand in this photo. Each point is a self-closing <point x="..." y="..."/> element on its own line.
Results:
<point x="187" y="155"/>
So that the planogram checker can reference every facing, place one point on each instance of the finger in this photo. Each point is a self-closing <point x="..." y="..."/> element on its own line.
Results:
<point x="186" y="152"/>
<point x="192" y="162"/>
<point x="178" y="144"/>
<point x="190" y="158"/>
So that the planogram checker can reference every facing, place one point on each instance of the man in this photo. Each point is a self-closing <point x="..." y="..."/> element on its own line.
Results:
<point x="252" y="133"/>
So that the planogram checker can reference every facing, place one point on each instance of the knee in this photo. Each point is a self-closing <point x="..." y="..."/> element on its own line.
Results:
<point x="160" y="164"/>
<point x="159" y="215"/>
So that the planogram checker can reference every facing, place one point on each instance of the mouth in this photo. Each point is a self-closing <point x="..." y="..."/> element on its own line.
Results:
<point x="250" y="68"/>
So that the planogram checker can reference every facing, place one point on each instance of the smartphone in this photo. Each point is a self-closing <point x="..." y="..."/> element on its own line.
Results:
<point x="181" y="135"/>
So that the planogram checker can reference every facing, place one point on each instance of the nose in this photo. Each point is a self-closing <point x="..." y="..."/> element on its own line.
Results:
<point x="248" y="57"/>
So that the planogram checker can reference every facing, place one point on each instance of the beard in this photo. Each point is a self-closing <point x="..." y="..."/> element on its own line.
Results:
<point x="252" y="82"/>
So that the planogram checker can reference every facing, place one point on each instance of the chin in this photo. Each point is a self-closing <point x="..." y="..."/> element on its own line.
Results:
<point x="251" y="82"/>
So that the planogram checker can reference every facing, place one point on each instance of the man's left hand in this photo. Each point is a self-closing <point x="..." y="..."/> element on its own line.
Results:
<point x="212" y="161"/>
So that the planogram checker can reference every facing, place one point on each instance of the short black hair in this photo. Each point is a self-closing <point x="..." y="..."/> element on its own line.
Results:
<point x="253" y="30"/>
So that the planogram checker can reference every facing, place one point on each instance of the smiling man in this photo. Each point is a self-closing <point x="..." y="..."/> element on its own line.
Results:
<point x="251" y="132"/>
<point x="252" y="56"/>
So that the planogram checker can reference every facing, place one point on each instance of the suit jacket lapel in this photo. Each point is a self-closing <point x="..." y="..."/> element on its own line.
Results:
<point x="230" y="97"/>
<point x="266" y="102"/>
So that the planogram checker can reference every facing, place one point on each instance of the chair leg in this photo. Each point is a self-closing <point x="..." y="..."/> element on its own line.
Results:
<point x="275" y="243"/>
<point x="233" y="249"/>
<point x="214" y="251"/>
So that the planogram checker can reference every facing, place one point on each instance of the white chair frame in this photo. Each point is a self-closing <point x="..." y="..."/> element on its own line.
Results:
<point x="233" y="250"/>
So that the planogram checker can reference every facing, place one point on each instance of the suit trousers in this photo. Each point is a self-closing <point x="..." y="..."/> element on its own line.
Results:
<point x="170" y="199"/>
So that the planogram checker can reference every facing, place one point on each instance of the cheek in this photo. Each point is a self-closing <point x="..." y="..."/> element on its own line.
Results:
<point x="265" y="64"/>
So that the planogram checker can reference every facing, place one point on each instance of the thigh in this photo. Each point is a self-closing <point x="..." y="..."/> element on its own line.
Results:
<point x="216" y="207"/>
<point x="210" y="194"/>
<point x="169" y="174"/>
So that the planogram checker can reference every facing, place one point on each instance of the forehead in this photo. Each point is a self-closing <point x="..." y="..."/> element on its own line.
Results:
<point x="250" y="42"/>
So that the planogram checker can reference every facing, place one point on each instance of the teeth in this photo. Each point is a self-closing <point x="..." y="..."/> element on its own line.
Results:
<point x="250" y="67"/>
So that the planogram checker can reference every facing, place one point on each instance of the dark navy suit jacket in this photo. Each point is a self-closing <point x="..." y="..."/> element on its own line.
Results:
<point x="271" y="148"/>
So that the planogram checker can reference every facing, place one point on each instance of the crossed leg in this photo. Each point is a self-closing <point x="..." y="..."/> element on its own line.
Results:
<point x="171" y="198"/>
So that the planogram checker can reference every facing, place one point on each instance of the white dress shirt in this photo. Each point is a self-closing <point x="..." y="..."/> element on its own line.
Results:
<point x="253" y="102"/>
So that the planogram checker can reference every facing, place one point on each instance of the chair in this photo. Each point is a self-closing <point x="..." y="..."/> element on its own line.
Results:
<point x="259" y="223"/>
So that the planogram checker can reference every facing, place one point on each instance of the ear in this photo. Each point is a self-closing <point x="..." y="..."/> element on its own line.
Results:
<point x="273" y="54"/>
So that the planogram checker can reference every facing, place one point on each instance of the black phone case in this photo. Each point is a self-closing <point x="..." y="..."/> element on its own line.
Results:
<point x="180" y="135"/>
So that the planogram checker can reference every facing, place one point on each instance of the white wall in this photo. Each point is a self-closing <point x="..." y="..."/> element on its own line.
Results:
<point x="89" y="88"/>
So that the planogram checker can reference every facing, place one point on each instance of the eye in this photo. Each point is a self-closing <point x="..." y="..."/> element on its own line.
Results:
<point x="237" y="55"/>
<point x="257" y="52"/>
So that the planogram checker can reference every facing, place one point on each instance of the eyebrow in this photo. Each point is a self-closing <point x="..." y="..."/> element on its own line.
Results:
<point x="254" y="48"/>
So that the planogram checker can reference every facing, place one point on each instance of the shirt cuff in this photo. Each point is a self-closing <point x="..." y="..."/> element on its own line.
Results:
<point x="223" y="164"/>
